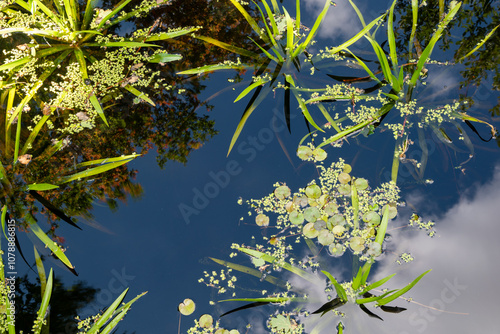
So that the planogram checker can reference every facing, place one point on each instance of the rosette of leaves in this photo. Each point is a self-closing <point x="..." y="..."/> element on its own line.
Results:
<point x="400" y="81"/>
<point x="282" y="42"/>
<point x="63" y="58"/>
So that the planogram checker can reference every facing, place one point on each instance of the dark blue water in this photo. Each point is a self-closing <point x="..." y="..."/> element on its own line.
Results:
<point x="161" y="242"/>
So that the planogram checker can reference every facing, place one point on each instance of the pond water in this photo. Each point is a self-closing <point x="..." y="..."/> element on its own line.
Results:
<point x="162" y="241"/>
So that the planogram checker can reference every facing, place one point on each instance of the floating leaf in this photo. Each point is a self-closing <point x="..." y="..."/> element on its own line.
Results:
<point x="344" y="178"/>
<point x="282" y="192"/>
<point x="357" y="244"/>
<point x="393" y="211"/>
<point x="361" y="184"/>
<point x="336" y="220"/>
<point x="313" y="191"/>
<point x="300" y="200"/>
<point x="309" y="231"/>
<point x="281" y="323"/>
<point x="372" y="218"/>
<point x="206" y="321"/>
<point x="304" y="152"/>
<point x="320" y="225"/>
<point x="311" y="214"/>
<point x="319" y="154"/>
<point x="296" y="218"/>
<point x="330" y="208"/>
<point x="344" y="189"/>
<point x="336" y="250"/>
<point x="338" y="230"/>
<point x="325" y="237"/>
<point x="186" y="307"/>
<point x="262" y="220"/>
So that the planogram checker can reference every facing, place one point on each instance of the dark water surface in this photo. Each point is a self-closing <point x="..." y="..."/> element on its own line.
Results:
<point x="160" y="243"/>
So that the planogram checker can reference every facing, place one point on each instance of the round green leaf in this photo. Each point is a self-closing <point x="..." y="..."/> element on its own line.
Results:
<point x="311" y="214"/>
<point x="338" y="230"/>
<point x="344" y="189"/>
<point x="282" y="192"/>
<point x="296" y="218"/>
<point x="372" y="218"/>
<point x="319" y="225"/>
<point x="186" y="307"/>
<point x="262" y="220"/>
<point x="344" y="178"/>
<point x="300" y="201"/>
<point x="336" y="249"/>
<point x="325" y="237"/>
<point x="304" y="152"/>
<point x="357" y="244"/>
<point x="330" y="208"/>
<point x="313" y="191"/>
<point x="319" y="154"/>
<point x="374" y="249"/>
<point x="309" y="231"/>
<point x="336" y="220"/>
<point x="222" y="331"/>
<point x="393" y="211"/>
<point x="322" y="200"/>
<point x="347" y="168"/>
<point x="206" y="321"/>
<point x="361" y="184"/>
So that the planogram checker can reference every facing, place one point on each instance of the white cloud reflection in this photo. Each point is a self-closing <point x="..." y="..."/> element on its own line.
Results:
<point x="341" y="21"/>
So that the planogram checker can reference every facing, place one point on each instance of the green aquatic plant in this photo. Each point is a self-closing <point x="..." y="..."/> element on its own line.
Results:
<point x="401" y="80"/>
<point x="100" y="323"/>
<point x="339" y="213"/>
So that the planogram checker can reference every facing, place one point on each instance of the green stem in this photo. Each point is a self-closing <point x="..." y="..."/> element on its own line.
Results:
<point x="395" y="163"/>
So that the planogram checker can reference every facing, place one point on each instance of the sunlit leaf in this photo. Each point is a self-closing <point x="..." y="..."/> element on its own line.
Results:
<point x="107" y="314"/>
<point x="402" y="291"/>
<point x="211" y="68"/>
<point x="139" y="94"/>
<point x="58" y="252"/>
<point x="41" y="186"/>
<point x="164" y="57"/>
<point x="94" y="171"/>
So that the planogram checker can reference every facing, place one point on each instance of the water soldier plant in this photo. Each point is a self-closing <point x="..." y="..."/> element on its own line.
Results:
<point x="402" y="81"/>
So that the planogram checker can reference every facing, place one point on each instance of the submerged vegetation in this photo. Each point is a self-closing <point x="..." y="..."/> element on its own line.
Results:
<point x="72" y="72"/>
